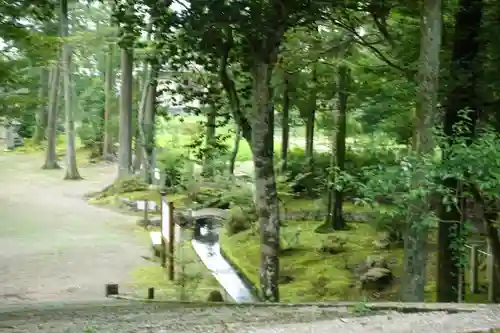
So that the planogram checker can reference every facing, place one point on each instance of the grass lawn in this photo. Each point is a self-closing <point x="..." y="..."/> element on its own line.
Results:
<point x="195" y="284"/>
<point x="319" y="276"/>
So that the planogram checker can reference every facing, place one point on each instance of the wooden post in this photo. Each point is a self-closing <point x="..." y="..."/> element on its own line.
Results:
<point x="111" y="289"/>
<point x="151" y="293"/>
<point x="474" y="266"/>
<point x="163" y="243"/>
<point x="171" y="241"/>
<point x="491" y="275"/>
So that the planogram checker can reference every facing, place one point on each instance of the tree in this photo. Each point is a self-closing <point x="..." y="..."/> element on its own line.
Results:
<point x="130" y="24"/>
<point x="416" y="235"/>
<point x="50" y="153"/>
<point x="463" y="96"/>
<point x="71" y="165"/>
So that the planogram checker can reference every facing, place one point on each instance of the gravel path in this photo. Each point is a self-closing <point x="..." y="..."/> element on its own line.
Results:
<point x="126" y="317"/>
<point x="53" y="245"/>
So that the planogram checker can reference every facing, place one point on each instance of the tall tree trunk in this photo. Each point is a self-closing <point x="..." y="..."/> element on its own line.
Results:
<point x="109" y="93"/>
<point x="236" y="148"/>
<point x="42" y="114"/>
<point x="50" y="154"/>
<point x="338" y="221"/>
<point x="262" y="143"/>
<point x="416" y="234"/>
<point x="210" y="142"/>
<point x="462" y="95"/>
<point x="125" y="133"/>
<point x="149" y="121"/>
<point x="137" y="161"/>
<point x="285" y="123"/>
<point x="311" y="117"/>
<point x="71" y="166"/>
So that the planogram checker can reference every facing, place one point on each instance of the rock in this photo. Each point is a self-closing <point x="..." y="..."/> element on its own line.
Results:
<point x="382" y="242"/>
<point x="332" y="249"/>
<point x="376" y="262"/>
<point x="373" y="261"/>
<point x="376" y="278"/>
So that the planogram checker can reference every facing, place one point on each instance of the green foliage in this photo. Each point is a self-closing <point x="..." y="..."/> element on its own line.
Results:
<point x="238" y="220"/>
<point x="173" y="167"/>
<point x="313" y="182"/>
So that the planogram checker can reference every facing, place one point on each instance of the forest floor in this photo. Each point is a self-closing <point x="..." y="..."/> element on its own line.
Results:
<point x="54" y="246"/>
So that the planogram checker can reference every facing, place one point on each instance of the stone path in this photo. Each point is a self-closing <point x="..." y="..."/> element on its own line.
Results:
<point x="53" y="245"/>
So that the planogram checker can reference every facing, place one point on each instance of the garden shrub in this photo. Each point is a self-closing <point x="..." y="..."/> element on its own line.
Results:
<point x="173" y="165"/>
<point x="238" y="220"/>
<point x="313" y="182"/>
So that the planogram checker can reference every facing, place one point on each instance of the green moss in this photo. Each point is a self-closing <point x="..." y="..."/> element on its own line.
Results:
<point x="199" y="281"/>
<point x="315" y="275"/>
<point x="318" y="276"/>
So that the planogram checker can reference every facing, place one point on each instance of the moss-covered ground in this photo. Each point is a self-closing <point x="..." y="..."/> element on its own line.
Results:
<point x="309" y="274"/>
<point x="193" y="281"/>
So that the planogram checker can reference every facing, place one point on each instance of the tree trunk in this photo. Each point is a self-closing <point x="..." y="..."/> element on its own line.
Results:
<point x="71" y="166"/>
<point x="234" y="152"/>
<point x="125" y="133"/>
<point x="338" y="222"/>
<point x="141" y="104"/>
<point x="285" y="123"/>
<point x="416" y="233"/>
<point x="262" y="144"/>
<point x="210" y="142"/>
<point x="42" y="114"/>
<point x="311" y="118"/>
<point x="149" y="121"/>
<point x="109" y="93"/>
<point x="50" y="154"/>
<point x="462" y="95"/>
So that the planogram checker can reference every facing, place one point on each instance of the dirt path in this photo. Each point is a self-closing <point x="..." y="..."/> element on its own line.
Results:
<point x="53" y="245"/>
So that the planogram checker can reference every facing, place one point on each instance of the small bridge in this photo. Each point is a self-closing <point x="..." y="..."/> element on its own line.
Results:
<point x="200" y="218"/>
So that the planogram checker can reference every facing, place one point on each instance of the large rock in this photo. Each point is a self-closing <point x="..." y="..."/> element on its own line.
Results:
<point x="383" y="241"/>
<point x="373" y="261"/>
<point x="376" y="278"/>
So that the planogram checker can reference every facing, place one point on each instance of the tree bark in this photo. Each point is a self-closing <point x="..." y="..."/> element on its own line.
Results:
<point x="462" y="95"/>
<point x="42" y="114"/>
<point x="149" y="121"/>
<point x="311" y="118"/>
<point x="285" y="123"/>
<point x="138" y="152"/>
<point x="417" y="229"/>
<point x="210" y="142"/>
<point x="265" y="183"/>
<point x="109" y="93"/>
<point x="236" y="148"/>
<point x="125" y="132"/>
<point x="338" y="222"/>
<point x="71" y="166"/>
<point x="50" y="154"/>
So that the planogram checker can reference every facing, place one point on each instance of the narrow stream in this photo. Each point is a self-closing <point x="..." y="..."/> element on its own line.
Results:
<point x="206" y="246"/>
<point x="208" y="249"/>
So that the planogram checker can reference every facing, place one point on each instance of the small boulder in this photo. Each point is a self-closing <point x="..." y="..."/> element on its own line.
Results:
<point x="376" y="278"/>
<point x="382" y="242"/>
<point x="376" y="261"/>
<point x="372" y="261"/>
